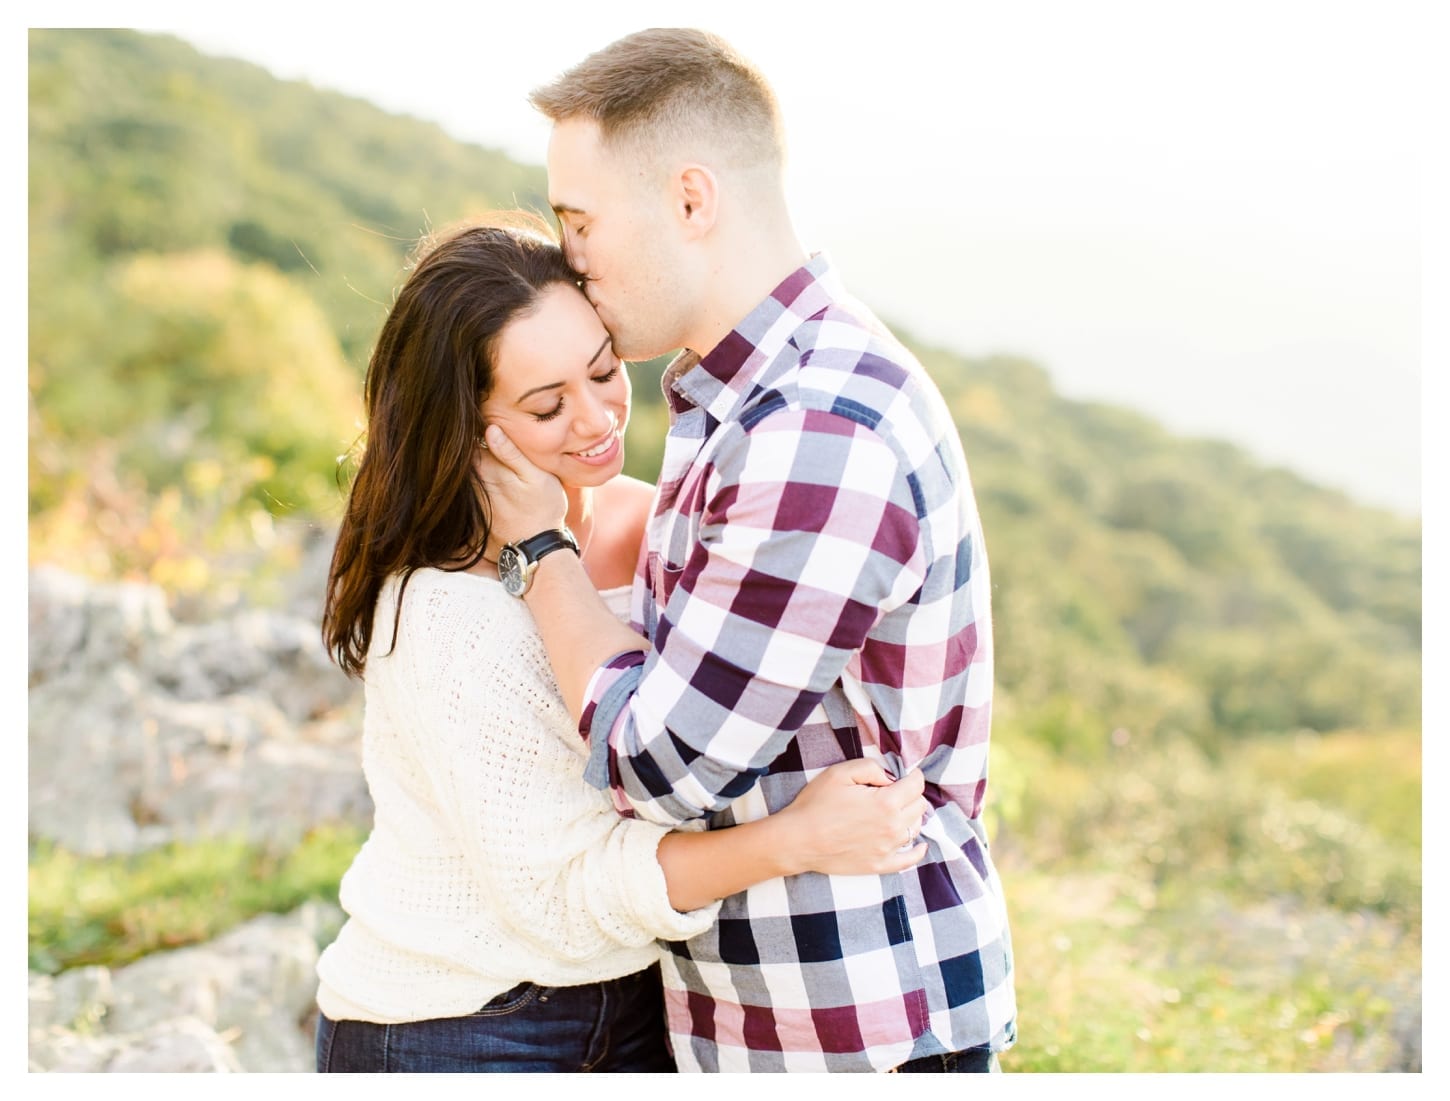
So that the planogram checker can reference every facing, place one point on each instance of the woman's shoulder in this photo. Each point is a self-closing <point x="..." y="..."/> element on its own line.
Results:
<point x="430" y="583"/>
<point x="437" y="606"/>
<point x="627" y="494"/>
<point x="624" y="504"/>
<point x="622" y="511"/>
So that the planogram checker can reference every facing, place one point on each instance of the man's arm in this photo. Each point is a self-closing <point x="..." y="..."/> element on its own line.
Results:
<point x="809" y="537"/>
<point x="809" y="534"/>
<point x="579" y="631"/>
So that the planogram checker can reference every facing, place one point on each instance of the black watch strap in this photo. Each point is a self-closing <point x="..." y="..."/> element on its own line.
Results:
<point x="546" y="542"/>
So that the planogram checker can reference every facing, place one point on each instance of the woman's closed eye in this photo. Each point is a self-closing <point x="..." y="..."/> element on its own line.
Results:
<point x="608" y="376"/>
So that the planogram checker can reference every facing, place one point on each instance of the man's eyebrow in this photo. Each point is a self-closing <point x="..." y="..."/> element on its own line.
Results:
<point x="556" y="385"/>
<point x="565" y="208"/>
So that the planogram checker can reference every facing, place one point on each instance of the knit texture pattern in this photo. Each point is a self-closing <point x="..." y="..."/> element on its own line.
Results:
<point x="490" y="861"/>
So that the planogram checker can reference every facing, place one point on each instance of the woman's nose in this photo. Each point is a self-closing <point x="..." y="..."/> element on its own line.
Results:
<point x="596" y="418"/>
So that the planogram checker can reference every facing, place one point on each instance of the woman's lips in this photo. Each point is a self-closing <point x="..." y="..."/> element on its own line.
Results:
<point x="601" y="453"/>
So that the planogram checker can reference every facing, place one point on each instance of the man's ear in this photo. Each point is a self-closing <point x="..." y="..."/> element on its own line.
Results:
<point x="696" y="199"/>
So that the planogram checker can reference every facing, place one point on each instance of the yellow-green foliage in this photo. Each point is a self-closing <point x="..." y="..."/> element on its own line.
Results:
<point x="197" y="227"/>
<point x="1169" y="912"/>
<point x="1374" y="778"/>
<point x="1175" y="913"/>
<point x="209" y="356"/>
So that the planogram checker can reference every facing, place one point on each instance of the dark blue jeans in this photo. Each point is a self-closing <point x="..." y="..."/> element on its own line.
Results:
<point x="617" y="1025"/>
<point x="976" y="1060"/>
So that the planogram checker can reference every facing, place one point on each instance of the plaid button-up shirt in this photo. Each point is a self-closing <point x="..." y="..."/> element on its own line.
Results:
<point x="815" y="588"/>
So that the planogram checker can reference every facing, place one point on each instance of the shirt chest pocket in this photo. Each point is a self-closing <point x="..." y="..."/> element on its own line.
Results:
<point x="675" y="529"/>
<point x="673" y="536"/>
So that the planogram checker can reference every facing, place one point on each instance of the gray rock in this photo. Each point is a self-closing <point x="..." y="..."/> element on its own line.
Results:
<point x="78" y="624"/>
<point x="117" y="766"/>
<point x="75" y="1001"/>
<point x="277" y="656"/>
<point x="184" y="1045"/>
<point x="306" y="587"/>
<point x="89" y="748"/>
<point x="245" y="1001"/>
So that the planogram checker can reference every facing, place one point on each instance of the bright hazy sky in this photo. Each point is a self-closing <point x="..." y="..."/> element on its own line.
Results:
<point x="1208" y="211"/>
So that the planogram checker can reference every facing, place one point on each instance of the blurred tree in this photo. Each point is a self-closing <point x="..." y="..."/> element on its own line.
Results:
<point x="212" y="251"/>
<point x="206" y="355"/>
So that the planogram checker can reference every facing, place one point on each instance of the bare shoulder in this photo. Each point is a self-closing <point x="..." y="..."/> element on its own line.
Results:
<point x="622" y="508"/>
<point x="624" y="504"/>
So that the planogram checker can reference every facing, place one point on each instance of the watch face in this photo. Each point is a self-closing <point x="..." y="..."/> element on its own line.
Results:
<point x="511" y="571"/>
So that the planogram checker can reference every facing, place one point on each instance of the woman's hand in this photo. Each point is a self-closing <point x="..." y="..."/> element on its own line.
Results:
<point x="523" y="500"/>
<point x="854" y="819"/>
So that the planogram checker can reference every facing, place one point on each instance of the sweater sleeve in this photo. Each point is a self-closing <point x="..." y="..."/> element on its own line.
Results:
<point x="564" y="873"/>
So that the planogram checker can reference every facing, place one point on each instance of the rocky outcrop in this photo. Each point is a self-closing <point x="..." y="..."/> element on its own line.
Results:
<point x="244" y="1002"/>
<point x="144" y="731"/>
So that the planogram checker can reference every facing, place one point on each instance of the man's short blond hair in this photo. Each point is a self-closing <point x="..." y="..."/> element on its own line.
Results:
<point x="671" y="89"/>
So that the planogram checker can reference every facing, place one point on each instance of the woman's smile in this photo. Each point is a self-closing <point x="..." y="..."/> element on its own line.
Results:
<point x="600" y="453"/>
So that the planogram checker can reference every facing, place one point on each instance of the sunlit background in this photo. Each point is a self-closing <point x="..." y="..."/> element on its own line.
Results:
<point x="1165" y="261"/>
<point x="1206" y="211"/>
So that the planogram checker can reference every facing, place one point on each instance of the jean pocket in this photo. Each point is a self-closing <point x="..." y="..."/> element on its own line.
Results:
<point x="511" y="1000"/>
<point x="322" y="1043"/>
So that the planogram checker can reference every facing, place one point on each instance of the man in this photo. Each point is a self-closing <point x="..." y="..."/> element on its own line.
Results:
<point x="815" y="586"/>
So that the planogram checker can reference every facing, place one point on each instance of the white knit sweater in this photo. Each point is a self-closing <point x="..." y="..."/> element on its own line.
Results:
<point x="490" y="861"/>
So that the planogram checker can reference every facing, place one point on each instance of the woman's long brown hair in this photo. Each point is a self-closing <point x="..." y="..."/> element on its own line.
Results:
<point x="416" y="499"/>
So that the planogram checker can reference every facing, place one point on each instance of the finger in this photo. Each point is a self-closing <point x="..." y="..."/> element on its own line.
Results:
<point x="910" y="828"/>
<point x="486" y="463"/>
<point x="502" y="450"/>
<point x="907" y="789"/>
<point x="906" y="858"/>
<point x="862" y="771"/>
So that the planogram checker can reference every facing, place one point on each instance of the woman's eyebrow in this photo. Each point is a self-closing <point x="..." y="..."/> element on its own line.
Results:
<point x="600" y="349"/>
<point x="555" y="385"/>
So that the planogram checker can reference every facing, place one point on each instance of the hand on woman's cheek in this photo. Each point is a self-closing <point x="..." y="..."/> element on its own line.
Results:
<point x="523" y="499"/>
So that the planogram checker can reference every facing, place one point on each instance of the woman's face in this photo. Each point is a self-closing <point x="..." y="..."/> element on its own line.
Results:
<point x="559" y="391"/>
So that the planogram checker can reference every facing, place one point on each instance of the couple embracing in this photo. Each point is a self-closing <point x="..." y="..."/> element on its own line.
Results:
<point x="686" y="776"/>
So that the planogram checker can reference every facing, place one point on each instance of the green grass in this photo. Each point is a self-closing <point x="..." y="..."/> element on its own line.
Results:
<point x="1170" y="912"/>
<point x="1261" y="913"/>
<point x="1373" y="777"/>
<point x="1110" y="978"/>
<point x="110" y="911"/>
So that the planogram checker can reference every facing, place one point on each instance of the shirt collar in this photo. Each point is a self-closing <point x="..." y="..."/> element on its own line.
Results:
<point x="720" y="381"/>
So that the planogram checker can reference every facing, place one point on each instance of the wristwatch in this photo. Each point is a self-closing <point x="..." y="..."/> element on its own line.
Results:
<point x="518" y="561"/>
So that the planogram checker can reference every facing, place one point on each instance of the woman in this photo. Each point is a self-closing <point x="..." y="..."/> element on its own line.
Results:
<point x="502" y="916"/>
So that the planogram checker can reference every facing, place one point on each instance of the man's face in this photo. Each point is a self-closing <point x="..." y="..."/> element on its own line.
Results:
<point x="618" y="233"/>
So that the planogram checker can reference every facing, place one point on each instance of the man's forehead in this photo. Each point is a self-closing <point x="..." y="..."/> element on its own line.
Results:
<point x="574" y="141"/>
<point x="573" y="165"/>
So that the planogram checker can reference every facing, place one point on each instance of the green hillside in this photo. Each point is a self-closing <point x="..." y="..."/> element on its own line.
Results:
<point x="212" y="250"/>
<point x="1208" y="669"/>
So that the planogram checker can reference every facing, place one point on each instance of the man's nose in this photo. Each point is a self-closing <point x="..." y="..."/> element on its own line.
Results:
<point x="574" y="254"/>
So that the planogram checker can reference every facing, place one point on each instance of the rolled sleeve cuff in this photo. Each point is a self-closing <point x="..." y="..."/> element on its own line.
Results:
<point x="606" y="706"/>
<point x="651" y="891"/>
